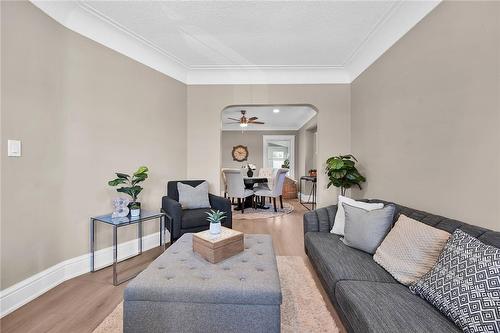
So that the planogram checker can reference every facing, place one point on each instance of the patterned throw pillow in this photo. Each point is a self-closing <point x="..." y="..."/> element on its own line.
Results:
<point x="465" y="284"/>
<point x="410" y="249"/>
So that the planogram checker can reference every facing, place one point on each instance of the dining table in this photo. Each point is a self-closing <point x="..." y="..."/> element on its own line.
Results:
<point x="249" y="184"/>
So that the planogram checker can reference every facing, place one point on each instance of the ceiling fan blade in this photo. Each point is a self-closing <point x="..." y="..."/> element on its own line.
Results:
<point x="238" y="120"/>
<point x="256" y="122"/>
<point x="233" y="122"/>
<point x="253" y="118"/>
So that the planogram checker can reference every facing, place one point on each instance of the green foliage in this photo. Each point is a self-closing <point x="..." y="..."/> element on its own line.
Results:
<point x="215" y="216"/>
<point x="135" y="205"/>
<point x="342" y="172"/>
<point x="132" y="188"/>
<point x="286" y="164"/>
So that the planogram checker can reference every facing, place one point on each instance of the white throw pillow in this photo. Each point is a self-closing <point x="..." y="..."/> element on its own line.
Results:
<point x="338" y="226"/>
<point x="193" y="197"/>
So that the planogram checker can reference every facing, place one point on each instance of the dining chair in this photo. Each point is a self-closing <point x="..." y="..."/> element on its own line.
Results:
<point x="277" y="189"/>
<point x="236" y="187"/>
<point x="268" y="173"/>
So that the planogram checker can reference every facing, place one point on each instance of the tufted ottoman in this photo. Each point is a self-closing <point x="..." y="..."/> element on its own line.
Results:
<point x="181" y="292"/>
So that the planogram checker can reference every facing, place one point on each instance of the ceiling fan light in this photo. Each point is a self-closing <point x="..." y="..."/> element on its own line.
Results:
<point x="276" y="110"/>
<point x="243" y="124"/>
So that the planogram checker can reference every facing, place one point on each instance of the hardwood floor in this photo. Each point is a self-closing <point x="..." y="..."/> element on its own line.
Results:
<point x="80" y="304"/>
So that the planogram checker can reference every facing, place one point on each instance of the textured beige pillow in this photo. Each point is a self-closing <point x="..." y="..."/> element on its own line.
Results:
<point x="410" y="249"/>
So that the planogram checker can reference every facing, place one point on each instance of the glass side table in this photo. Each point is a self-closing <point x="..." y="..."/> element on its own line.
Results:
<point x="118" y="222"/>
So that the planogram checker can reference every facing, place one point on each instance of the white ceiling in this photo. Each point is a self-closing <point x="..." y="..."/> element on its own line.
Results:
<point x="290" y="117"/>
<point x="245" y="41"/>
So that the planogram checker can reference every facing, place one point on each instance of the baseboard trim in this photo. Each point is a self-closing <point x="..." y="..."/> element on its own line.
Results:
<point x="27" y="290"/>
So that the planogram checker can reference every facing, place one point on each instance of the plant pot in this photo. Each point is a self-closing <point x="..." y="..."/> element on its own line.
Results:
<point x="215" y="228"/>
<point x="135" y="212"/>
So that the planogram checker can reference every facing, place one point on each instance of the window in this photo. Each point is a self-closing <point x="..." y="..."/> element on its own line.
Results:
<point x="277" y="149"/>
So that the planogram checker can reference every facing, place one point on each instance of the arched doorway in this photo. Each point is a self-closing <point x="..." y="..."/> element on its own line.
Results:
<point x="268" y="137"/>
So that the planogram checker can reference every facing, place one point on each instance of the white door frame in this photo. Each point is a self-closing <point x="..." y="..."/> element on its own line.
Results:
<point x="266" y="138"/>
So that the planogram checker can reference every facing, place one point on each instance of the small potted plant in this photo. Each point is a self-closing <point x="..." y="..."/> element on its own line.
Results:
<point x="286" y="164"/>
<point x="215" y="217"/>
<point x="131" y="187"/>
<point x="135" y="209"/>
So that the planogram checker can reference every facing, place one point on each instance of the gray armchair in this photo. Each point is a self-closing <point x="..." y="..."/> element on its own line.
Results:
<point x="181" y="221"/>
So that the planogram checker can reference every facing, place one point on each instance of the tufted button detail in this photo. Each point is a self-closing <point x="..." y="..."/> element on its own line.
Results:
<point x="247" y="247"/>
<point x="259" y="242"/>
<point x="226" y="268"/>
<point x="175" y="252"/>
<point x="259" y="253"/>
<point x="244" y="260"/>
<point x="183" y="259"/>
<point x="161" y="267"/>
<point x="170" y="278"/>
<point x="242" y="279"/>
<point x="260" y="270"/>
<point x="192" y="268"/>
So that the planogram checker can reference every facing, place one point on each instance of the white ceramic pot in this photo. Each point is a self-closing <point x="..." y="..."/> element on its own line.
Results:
<point x="135" y="212"/>
<point x="215" y="228"/>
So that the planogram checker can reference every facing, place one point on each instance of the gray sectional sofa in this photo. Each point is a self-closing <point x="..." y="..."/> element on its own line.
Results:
<point x="366" y="297"/>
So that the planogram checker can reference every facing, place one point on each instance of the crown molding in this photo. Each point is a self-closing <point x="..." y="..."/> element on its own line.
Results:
<point x="402" y="17"/>
<point x="83" y="19"/>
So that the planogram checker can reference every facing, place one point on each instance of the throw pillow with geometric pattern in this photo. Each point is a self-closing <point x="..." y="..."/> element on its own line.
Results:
<point x="464" y="284"/>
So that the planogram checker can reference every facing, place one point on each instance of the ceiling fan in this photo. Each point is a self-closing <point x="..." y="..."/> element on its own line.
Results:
<point x="244" y="121"/>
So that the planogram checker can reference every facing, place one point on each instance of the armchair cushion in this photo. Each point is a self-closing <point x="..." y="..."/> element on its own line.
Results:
<point x="193" y="218"/>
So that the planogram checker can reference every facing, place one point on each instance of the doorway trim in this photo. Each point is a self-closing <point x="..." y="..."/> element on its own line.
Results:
<point x="266" y="138"/>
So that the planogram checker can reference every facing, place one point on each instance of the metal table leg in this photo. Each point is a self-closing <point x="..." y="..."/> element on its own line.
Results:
<point x="115" y="254"/>
<point x="92" y="245"/>
<point x="140" y="236"/>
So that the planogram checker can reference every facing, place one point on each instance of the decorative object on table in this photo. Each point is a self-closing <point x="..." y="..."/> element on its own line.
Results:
<point x="342" y="173"/>
<point x="120" y="207"/>
<point x="313" y="172"/>
<point x="286" y="164"/>
<point x="240" y="153"/>
<point x="250" y="169"/>
<point x="191" y="220"/>
<point x="464" y="284"/>
<point x="365" y="230"/>
<point x="244" y="121"/>
<point x="215" y="218"/>
<point x="135" y="209"/>
<point x="131" y="184"/>
<point x="217" y="248"/>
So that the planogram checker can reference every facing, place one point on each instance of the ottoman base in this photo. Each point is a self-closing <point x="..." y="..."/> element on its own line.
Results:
<point x="148" y="316"/>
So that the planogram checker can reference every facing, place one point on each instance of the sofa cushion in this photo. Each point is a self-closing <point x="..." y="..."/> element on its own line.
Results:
<point x="192" y="218"/>
<point x="336" y="261"/>
<point x="388" y="307"/>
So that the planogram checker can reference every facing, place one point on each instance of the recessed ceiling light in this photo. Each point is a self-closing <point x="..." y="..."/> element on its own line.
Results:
<point x="276" y="110"/>
<point x="243" y="124"/>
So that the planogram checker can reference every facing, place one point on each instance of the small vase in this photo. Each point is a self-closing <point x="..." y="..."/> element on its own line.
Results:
<point x="215" y="228"/>
<point x="135" y="212"/>
<point x="250" y="172"/>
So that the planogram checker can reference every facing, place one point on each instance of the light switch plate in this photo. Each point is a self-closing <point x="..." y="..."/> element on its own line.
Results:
<point x="14" y="148"/>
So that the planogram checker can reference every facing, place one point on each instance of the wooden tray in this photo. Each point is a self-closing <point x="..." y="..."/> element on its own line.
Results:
<point x="215" y="248"/>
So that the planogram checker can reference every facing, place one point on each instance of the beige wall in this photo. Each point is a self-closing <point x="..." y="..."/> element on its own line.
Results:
<point x="205" y="103"/>
<point x="426" y="116"/>
<point x="82" y="112"/>
<point x="307" y="155"/>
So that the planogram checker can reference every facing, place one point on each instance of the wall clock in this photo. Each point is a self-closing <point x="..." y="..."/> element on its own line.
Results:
<point x="240" y="153"/>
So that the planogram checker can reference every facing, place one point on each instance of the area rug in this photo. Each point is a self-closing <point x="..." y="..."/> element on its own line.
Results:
<point x="253" y="214"/>
<point x="303" y="308"/>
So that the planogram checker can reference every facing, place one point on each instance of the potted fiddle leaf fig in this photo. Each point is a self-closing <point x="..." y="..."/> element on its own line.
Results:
<point x="342" y="173"/>
<point x="215" y="218"/>
<point x="130" y="186"/>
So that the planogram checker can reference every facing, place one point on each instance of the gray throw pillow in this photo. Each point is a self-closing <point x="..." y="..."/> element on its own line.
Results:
<point x="365" y="230"/>
<point x="193" y="197"/>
